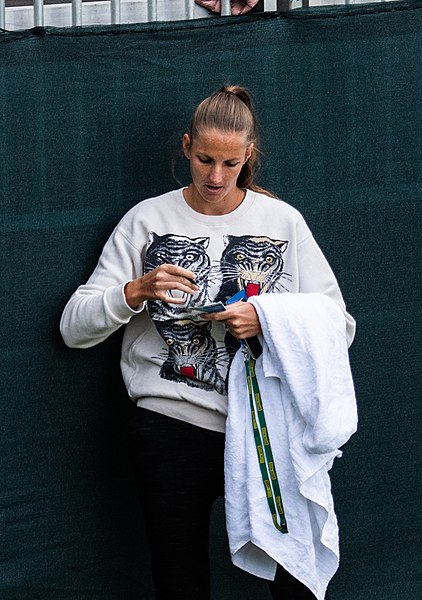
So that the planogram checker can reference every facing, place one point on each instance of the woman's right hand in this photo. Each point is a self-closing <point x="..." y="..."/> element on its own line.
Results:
<point x="155" y="285"/>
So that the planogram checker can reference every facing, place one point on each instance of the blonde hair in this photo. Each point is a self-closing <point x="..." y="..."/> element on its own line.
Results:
<point x="230" y="109"/>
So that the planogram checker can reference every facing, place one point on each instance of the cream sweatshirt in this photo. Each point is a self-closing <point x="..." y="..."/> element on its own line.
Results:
<point x="172" y="361"/>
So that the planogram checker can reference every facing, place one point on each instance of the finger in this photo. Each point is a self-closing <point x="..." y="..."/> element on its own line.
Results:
<point x="173" y="295"/>
<point x="180" y="287"/>
<point x="171" y="300"/>
<point x="186" y="275"/>
<point x="181" y="290"/>
<point x="181" y="272"/>
<point x="217" y="316"/>
<point x="171" y="276"/>
<point x="230" y="313"/>
<point x="167" y="270"/>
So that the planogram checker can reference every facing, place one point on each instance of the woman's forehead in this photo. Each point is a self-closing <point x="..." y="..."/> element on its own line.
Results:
<point x="217" y="140"/>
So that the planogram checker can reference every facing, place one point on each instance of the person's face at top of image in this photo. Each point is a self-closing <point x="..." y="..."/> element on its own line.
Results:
<point x="216" y="159"/>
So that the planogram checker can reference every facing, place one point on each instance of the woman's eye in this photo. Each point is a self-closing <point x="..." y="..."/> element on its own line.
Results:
<point x="203" y="160"/>
<point x="232" y="164"/>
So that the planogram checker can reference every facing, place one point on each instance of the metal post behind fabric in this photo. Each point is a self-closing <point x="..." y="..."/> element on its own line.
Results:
<point x="38" y="13"/>
<point x="76" y="12"/>
<point x="152" y="10"/>
<point x="225" y="8"/>
<point x="115" y="11"/>
<point x="189" y="6"/>
<point x="2" y="14"/>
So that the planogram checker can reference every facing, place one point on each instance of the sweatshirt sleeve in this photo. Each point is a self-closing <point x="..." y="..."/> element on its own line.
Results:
<point x="316" y="275"/>
<point x="99" y="307"/>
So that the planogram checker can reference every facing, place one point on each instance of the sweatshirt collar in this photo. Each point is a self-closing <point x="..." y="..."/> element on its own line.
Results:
<point x="217" y="220"/>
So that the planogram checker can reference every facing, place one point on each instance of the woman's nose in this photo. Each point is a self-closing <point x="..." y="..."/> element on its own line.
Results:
<point x="215" y="174"/>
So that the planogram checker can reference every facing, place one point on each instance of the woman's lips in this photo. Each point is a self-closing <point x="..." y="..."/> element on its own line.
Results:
<point x="213" y="189"/>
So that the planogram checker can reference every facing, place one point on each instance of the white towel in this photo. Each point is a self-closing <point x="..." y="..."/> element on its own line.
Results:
<point x="310" y="408"/>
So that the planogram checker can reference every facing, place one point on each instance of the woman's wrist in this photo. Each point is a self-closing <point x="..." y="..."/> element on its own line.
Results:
<point x="133" y="298"/>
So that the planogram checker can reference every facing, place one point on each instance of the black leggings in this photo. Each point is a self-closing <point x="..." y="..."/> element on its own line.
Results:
<point x="180" y="473"/>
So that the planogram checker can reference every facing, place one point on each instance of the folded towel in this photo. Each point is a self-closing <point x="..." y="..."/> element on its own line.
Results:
<point x="310" y="408"/>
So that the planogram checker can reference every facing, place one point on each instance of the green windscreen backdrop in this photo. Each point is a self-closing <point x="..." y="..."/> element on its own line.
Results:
<point x="91" y="120"/>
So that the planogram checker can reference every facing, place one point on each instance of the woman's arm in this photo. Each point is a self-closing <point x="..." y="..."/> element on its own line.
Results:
<point x="117" y="291"/>
<point x="316" y="275"/>
<point x="99" y="307"/>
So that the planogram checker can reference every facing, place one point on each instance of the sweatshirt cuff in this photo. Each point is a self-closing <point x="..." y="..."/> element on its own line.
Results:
<point x="116" y="305"/>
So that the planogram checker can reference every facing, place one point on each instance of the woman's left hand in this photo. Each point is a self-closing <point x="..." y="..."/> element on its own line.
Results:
<point x="240" y="319"/>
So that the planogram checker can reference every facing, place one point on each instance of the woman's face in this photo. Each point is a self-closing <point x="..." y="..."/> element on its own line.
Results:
<point x="216" y="159"/>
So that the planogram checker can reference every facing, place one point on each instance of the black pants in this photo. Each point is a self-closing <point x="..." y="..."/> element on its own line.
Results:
<point x="180" y="473"/>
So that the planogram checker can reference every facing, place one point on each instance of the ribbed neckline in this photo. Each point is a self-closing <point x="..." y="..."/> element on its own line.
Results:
<point x="215" y="220"/>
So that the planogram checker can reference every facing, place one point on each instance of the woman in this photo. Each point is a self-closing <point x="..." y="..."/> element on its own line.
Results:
<point x="169" y="257"/>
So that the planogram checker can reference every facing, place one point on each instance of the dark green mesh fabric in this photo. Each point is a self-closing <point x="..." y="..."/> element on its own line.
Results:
<point x="90" y="120"/>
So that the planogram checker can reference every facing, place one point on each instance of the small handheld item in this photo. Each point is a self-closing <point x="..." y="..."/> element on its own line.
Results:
<point x="240" y="295"/>
<point x="209" y="308"/>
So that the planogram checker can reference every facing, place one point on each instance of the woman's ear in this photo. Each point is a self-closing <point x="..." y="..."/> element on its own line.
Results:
<point x="249" y="151"/>
<point x="186" y="145"/>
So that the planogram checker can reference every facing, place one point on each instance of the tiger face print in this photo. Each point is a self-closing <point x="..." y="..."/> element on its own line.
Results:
<point x="192" y="356"/>
<point x="252" y="263"/>
<point x="189" y="253"/>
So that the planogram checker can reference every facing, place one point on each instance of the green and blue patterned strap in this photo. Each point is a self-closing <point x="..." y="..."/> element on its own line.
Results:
<point x="263" y="447"/>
